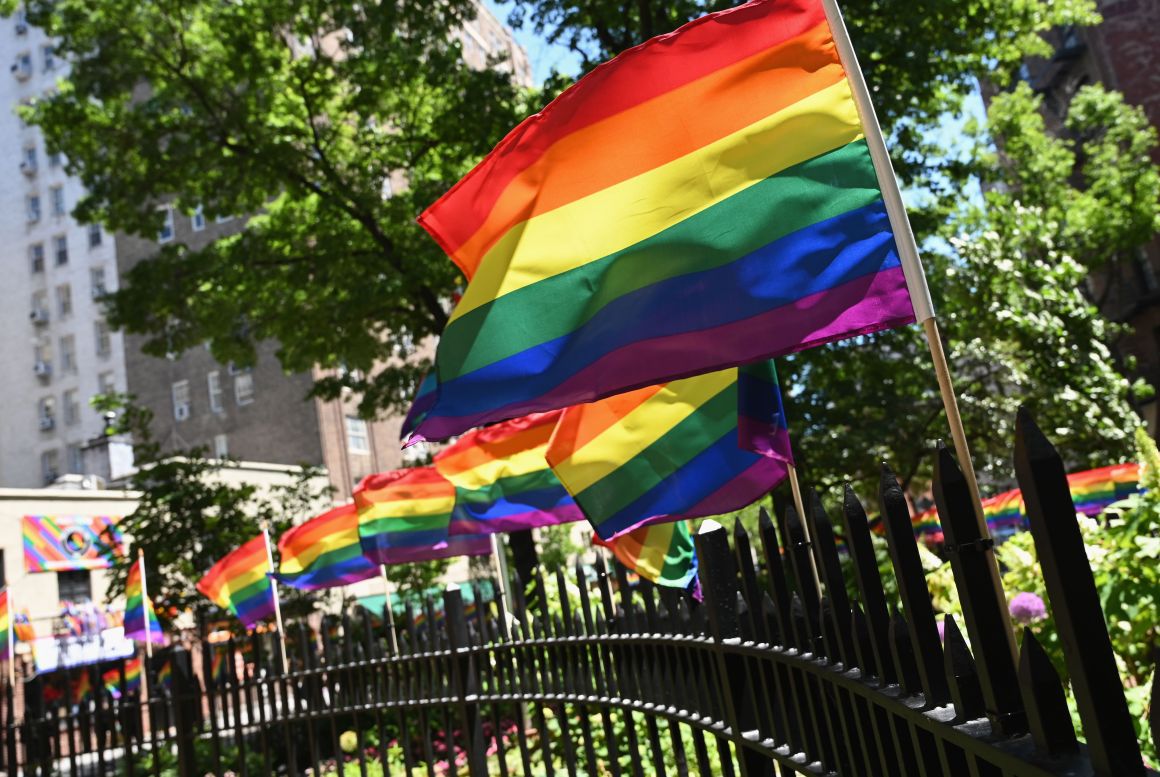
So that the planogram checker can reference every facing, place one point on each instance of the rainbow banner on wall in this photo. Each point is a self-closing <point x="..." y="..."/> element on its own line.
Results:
<point x="703" y="200"/>
<point x="58" y="543"/>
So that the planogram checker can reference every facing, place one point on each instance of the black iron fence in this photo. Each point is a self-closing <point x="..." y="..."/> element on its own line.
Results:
<point x="769" y="674"/>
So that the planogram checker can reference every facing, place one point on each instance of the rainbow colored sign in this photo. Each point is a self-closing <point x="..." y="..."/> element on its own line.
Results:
<point x="54" y="543"/>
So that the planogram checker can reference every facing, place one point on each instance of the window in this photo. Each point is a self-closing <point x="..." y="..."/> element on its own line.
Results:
<point x="40" y="306"/>
<point x="28" y="160"/>
<point x="223" y="219"/>
<point x="49" y="57"/>
<point x="166" y="233"/>
<point x="23" y="67"/>
<point x="36" y="257"/>
<point x="46" y="412"/>
<point x="64" y="300"/>
<point x="75" y="460"/>
<point x="107" y="383"/>
<point x="21" y="19"/>
<point x="72" y="408"/>
<point x="104" y="340"/>
<point x="213" y="382"/>
<point x="197" y="220"/>
<point x="54" y="159"/>
<point x="32" y="208"/>
<point x="221" y="446"/>
<point x="95" y="236"/>
<point x="97" y="281"/>
<point x="180" y="391"/>
<point x="50" y="465"/>
<point x="68" y="354"/>
<point x="357" y="439"/>
<point x="74" y="585"/>
<point x="244" y="388"/>
<point x="42" y="353"/>
<point x="60" y="249"/>
<point x="56" y="196"/>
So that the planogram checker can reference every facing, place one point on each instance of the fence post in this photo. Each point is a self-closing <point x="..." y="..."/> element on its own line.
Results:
<point x="981" y="593"/>
<point x="186" y="703"/>
<point x="465" y="681"/>
<point x="1075" y="603"/>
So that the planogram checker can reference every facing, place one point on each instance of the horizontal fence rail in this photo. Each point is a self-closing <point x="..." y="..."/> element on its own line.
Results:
<point x="771" y="672"/>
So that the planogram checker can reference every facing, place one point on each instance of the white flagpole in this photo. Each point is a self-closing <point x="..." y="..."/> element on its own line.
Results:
<point x="389" y="610"/>
<point x="11" y="640"/>
<point x="145" y="605"/>
<point x="912" y="269"/>
<point x="501" y="568"/>
<point x="274" y="591"/>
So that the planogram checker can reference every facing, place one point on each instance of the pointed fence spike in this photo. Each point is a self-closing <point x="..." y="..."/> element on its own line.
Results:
<point x="903" y="649"/>
<point x="869" y="581"/>
<point x="777" y="580"/>
<point x="1075" y="603"/>
<point x="1154" y="707"/>
<point x="822" y="532"/>
<point x="1047" y="713"/>
<point x="976" y="574"/>
<point x="799" y="554"/>
<point x="962" y="674"/>
<point x="912" y="589"/>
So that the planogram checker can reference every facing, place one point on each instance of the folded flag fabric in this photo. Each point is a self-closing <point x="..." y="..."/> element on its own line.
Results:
<point x="502" y="479"/>
<point x="141" y="622"/>
<point x="22" y="627"/>
<point x="662" y="553"/>
<point x="324" y="552"/>
<point x="694" y="447"/>
<point x="405" y="515"/>
<point x="240" y="582"/>
<point x="424" y="400"/>
<point x="703" y="200"/>
<point x="6" y="635"/>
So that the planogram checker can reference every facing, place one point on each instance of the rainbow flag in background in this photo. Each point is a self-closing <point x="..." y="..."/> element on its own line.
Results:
<point x="421" y="405"/>
<point x="6" y="635"/>
<point x="405" y="515"/>
<point x="140" y="618"/>
<point x="164" y="674"/>
<point x="662" y="553"/>
<point x="324" y="552"/>
<point x="502" y="479"/>
<point x="22" y="627"/>
<point x="54" y="543"/>
<point x="82" y="687"/>
<point x="218" y="667"/>
<point x="240" y="582"/>
<point x="111" y="679"/>
<point x="694" y="447"/>
<point x="703" y="200"/>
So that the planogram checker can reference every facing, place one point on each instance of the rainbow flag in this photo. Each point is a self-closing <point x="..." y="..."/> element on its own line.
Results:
<point x="240" y="582"/>
<point x="82" y="687"/>
<point x="662" y="553"/>
<point x="218" y="668"/>
<point x="111" y="679"/>
<point x="164" y="674"/>
<point x="694" y="447"/>
<point x="54" y="543"/>
<point x="22" y="627"/>
<point x="703" y="200"/>
<point x="140" y="618"/>
<point x="405" y="515"/>
<point x="6" y="635"/>
<point x="421" y="405"/>
<point x="502" y="479"/>
<point x="324" y="552"/>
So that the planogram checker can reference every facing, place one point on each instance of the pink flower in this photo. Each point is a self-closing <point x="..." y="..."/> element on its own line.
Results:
<point x="1027" y="608"/>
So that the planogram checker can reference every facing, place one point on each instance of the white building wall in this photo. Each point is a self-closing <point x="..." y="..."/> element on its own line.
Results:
<point x="26" y="450"/>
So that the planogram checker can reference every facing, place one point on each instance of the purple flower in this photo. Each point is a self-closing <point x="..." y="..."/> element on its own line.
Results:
<point x="1027" y="608"/>
<point x="941" y="626"/>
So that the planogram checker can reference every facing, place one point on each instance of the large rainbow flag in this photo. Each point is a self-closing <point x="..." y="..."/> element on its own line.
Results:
<point x="241" y="583"/>
<point x="703" y="200"/>
<point x="662" y="553"/>
<point x="324" y="552"/>
<point x="405" y="516"/>
<point x="141" y="622"/>
<point x="694" y="447"/>
<point x="54" y="543"/>
<point x="502" y="479"/>
<point x="1092" y="491"/>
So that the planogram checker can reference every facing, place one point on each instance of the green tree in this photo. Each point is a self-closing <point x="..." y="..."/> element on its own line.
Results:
<point x="188" y="516"/>
<point x="334" y="123"/>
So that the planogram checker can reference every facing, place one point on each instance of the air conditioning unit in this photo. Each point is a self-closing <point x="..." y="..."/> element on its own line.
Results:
<point x="181" y="412"/>
<point x="42" y="369"/>
<point x="22" y="70"/>
<point x="21" y="28"/>
<point x="47" y="422"/>
<point x="38" y="316"/>
<point x="28" y="168"/>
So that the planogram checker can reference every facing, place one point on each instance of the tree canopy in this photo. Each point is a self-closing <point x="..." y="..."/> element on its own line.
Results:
<point x="301" y="112"/>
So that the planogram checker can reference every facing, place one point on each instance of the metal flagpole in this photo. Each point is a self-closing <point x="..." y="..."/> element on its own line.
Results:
<point x="390" y="611"/>
<point x="912" y="269"/>
<point x="274" y="591"/>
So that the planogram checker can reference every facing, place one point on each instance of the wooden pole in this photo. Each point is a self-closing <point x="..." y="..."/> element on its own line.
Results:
<point x="274" y="591"/>
<point x="501" y="569"/>
<point x="389" y="610"/>
<point x="912" y="269"/>
<point x="799" y="505"/>
<point x="145" y="605"/>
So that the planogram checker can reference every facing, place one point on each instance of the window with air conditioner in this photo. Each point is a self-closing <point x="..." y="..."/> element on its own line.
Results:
<point x="39" y="313"/>
<point x="97" y="282"/>
<point x="166" y="233"/>
<point x="32" y="208"/>
<point x="181" y="399"/>
<point x="60" y="249"/>
<point x="22" y="67"/>
<point x="50" y="465"/>
<point x="36" y="257"/>
<point x="64" y="300"/>
<point x="28" y="160"/>
<point x="56" y="196"/>
<point x="213" y="382"/>
<point x="46" y="412"/>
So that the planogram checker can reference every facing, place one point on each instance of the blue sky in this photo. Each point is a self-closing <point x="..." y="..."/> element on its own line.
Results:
<point x="544" y="56"/>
